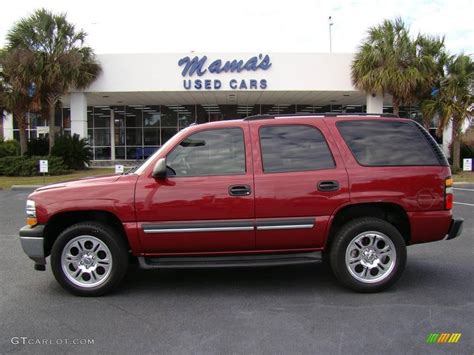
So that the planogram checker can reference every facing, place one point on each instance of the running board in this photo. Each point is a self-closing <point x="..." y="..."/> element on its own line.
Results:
<point x="228" y="261"/>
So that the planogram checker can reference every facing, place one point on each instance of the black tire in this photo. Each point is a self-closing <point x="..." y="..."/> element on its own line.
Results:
<point x="354" y="231"/>
<point x="113" y="244"/>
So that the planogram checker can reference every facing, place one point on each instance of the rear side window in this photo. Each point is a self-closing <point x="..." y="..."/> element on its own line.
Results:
<point x="389" y="143"/>
<point x="294" y="148"/>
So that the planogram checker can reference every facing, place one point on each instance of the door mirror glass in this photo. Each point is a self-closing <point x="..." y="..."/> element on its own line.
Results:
<point x="159" y="171"/>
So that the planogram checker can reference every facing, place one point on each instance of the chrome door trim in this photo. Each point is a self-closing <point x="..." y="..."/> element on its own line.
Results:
<point x="266" y="224"/>
<point x="289" y="226"/>
<point x="260" y="224"/>
<point x="199" y="227"/>
<point x="190" y="230"/>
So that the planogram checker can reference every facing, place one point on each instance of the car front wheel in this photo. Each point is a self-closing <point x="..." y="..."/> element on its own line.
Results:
<point x="89" y="259"/>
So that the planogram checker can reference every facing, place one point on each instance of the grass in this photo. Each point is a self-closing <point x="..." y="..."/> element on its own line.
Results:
<point x="465" y="176"/>
<point x="6" y="182"/>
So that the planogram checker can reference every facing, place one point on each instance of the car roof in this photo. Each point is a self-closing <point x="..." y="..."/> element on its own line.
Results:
<point x="356" y="116"/>
<point x="327" y="114"/>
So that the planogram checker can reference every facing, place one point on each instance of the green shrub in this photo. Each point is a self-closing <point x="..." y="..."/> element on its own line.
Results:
<point x="9" y="148"/>
<point x="38" y="146"/>
<point x="29" y="166"/>
<point x="75" y="152"/>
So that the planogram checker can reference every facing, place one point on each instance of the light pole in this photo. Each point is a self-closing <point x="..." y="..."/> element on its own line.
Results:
<point x="330" y="37"/>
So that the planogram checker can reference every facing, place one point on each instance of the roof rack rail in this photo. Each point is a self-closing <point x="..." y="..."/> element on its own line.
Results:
<point x="325" y="114"/>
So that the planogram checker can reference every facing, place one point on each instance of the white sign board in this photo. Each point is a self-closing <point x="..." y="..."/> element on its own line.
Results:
<point x="118" y="169"/>
<point x="467" y="164"/>
<point x="43" y="166"/>
<point x="42" y="129"/>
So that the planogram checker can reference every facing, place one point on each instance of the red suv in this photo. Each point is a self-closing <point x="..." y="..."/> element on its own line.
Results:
<point x="264" y="190"/>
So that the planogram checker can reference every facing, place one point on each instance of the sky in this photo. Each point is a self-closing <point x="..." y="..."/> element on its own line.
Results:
<point x="154" y="26"/>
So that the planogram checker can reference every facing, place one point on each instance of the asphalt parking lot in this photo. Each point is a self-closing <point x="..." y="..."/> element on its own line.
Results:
<point x="278" y="310"/>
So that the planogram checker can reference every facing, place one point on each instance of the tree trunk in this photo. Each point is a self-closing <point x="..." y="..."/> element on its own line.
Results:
<point x="52" y="125"/>
<point x="23" y="141"/>
<point x="396" y="105"/>
<point x="22" y="124"/>
<point x="426" y="123"/>
<point x="456" y="145"/>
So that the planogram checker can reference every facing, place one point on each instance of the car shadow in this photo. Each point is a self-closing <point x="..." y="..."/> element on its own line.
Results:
<point x="302" y="278"/>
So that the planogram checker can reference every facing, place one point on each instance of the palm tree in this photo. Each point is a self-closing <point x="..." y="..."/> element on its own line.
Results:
<point x="453" y="100"/>
<point x="16" y="95"/>
<point x="62" y="62"/>
<point x="387" y="63"/>
<point x="431" y="61"/>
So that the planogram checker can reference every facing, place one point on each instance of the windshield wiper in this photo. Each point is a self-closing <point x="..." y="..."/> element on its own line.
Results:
<point x="132" y="169"/>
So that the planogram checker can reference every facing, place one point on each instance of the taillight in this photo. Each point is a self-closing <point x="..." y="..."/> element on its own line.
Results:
<point x="448" y="194"/>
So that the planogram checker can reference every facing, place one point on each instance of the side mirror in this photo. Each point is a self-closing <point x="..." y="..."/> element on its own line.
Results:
<point x="159" y="171"/>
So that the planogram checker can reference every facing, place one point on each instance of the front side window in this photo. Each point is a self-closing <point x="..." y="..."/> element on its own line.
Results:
<point x="212" y="152"/>
<point x="294" y="148"/>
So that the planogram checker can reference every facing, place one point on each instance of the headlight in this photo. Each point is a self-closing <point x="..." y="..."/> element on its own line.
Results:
<point x="31" y="213"/>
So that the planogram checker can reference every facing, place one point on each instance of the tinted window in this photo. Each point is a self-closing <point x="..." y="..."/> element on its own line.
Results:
<point x="213" y="152"/>
<point x="294" y="148"/>
<point x="378" y="143"/>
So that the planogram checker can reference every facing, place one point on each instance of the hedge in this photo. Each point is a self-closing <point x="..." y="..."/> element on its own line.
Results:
<point x="29" y="166"/>
<point x="9" y="148"/>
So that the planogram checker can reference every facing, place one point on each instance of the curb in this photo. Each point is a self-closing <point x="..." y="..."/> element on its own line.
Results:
<point x="24" y="187"/>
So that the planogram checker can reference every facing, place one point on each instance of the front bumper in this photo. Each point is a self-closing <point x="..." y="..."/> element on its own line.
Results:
<point x="32" y="242"/>
<point x="455" y="229"/>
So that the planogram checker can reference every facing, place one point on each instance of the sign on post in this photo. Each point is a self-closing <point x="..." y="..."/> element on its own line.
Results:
<point x="42" y="129"/>
<point x="118" y="169"/>
<point x="467" y="164"/>
<point x="43" y="165"/>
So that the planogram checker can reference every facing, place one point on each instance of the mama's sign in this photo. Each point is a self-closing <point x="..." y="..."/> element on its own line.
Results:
<point x="199" y="66"/>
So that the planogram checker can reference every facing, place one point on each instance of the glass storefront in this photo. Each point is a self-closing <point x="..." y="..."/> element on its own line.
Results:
<point x="37" y="125"/>
<point x="134" y="132"/>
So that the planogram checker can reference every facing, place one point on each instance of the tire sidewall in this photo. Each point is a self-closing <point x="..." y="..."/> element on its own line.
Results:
<point x="347" y="233"/>
<point x="106" y="235"/>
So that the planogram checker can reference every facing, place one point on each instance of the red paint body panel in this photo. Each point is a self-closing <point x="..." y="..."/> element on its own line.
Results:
<point x="139" y="200"/>
<point x="429" y="226"/>
<point x="114" y="194"/>
<point x="295" y="194"/>
<point x="204" y="198"/>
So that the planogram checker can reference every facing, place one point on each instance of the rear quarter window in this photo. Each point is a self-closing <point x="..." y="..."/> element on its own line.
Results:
<point x="389" y="143"/>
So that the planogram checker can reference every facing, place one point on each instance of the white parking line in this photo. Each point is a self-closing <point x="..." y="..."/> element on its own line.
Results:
<point x="458" y="188"/>
<point x="464" y="204"/>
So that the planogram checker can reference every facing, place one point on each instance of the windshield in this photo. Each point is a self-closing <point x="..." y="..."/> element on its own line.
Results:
<point x="139" y="169"/>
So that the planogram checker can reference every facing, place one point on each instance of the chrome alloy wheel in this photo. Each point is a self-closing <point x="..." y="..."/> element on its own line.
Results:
<point x="86" y="261"/>
<point x="370" y="257"/>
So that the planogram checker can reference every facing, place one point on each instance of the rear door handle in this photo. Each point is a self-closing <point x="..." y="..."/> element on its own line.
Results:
<point x="239" y="190"/>
<point x="328" y="185"/>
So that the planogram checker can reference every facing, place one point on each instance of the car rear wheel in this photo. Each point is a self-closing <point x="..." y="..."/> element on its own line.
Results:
<point x="89" y="259"/>
<point x="368" y="255"/>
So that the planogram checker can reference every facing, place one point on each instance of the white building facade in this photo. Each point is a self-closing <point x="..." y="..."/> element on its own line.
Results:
<point x="140" y="100"/>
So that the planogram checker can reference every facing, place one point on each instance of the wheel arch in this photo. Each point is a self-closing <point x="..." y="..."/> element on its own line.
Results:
<point x="390" y="212"/>
<point x="62" y="220"/>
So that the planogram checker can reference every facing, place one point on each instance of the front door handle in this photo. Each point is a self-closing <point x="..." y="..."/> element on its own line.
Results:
<point x="328" y="185"/>
<point x="239" y="190"/>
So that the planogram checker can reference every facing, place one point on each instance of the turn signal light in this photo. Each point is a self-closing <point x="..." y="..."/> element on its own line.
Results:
<point x="448" y="194"/>
<point x="31" y="221"/>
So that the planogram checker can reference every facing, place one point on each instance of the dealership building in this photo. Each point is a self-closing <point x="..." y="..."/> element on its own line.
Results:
<point x="141" y="100"/>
